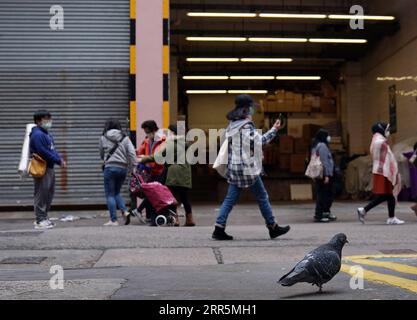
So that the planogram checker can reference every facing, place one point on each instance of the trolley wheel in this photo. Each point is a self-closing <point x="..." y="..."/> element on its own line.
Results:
<point x="161" y="220"/>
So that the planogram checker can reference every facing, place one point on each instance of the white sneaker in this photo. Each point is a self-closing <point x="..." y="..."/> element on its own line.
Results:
<point x="394" y="221"/>
<point x="43" y="225"/>
<point x="361" y="215"/>
<point x="111" y="224"/>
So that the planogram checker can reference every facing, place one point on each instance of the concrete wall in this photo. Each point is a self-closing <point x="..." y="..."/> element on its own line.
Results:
<point x="394" y="56"/>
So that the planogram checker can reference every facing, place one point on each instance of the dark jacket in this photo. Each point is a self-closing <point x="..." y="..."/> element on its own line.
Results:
<point x="42" y="143"/>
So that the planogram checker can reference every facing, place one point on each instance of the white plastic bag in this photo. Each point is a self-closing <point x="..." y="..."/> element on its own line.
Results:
<point x="315" y="167"/>
<point x="220" y="164"/>
<point x="25" y="157"/>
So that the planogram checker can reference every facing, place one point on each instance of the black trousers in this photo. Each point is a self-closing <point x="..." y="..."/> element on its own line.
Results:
<point x="325" y="197"/>
<point x="181" y="194"/>
<point x="381" y="198"/>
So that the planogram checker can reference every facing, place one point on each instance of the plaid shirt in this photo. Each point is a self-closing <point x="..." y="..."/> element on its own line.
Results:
<point x="245" y="154"/>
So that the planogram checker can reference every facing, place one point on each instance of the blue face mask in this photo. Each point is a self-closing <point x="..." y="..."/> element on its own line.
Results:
<point x="252" y="111"/>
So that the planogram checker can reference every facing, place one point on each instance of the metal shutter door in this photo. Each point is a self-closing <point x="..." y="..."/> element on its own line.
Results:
<point x="80" y="74"/>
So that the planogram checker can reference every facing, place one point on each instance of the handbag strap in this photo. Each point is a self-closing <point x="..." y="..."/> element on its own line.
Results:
<point x="115" y="147"/>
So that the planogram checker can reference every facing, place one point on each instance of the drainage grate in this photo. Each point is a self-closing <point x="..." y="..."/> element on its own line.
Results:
<point x="398" y="251"/>
<point x="23" y="260"/>
<point x="20" y="234"/>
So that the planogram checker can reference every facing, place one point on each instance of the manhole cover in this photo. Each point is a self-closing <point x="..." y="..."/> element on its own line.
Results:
<point x="20" y="234"/>
<point x="23" y="260"/>
<point x="398" y="251"/>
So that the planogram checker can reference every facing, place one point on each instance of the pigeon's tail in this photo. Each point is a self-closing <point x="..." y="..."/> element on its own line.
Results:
<point x="290" y="279"/>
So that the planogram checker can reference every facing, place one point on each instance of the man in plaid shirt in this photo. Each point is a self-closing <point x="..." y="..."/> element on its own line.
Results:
<point x="244" y="166"/>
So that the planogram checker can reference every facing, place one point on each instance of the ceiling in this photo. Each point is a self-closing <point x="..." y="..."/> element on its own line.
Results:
<point x="308" y="58"/>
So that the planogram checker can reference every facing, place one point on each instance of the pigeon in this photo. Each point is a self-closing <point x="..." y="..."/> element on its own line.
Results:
<point x="319" y="266"/>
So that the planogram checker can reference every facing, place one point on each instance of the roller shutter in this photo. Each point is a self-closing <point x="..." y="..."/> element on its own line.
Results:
<point x="80" y="74"/>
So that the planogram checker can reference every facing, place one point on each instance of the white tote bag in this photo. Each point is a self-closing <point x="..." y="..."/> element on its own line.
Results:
<point x="315" y="168"/>
<point x="25" y="156"/>
<point x="220" y="164"/>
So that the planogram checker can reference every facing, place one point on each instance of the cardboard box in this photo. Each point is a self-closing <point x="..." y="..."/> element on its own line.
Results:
<point x="298" y="163"/>
<point x="328" y="105"/>
<point x="280" y="95"/>
<point x="286" y="144"/>
<point x="309" y="131"/>
<point x="300" y="146"/>
<point x="298" y="103"/>
<point x="328" y="90"/>
<point x="301" y="192"/>
<point x="284" y="162"/>
<point x="289" y="95"/>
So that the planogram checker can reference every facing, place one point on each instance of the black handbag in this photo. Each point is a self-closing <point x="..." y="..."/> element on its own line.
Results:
<point x="112" y="151"/>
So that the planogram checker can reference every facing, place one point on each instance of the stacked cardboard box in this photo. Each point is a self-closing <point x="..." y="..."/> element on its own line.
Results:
<point x="300" y="146"/>
<point x="309" y="132"/>
<point x="286" y="144"/>
<point x="283" y="101"/>
<point x="298" y="163"/>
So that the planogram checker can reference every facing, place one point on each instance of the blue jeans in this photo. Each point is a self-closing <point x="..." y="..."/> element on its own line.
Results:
<point x="233" y="193"/>
<point x="113" y="181"/>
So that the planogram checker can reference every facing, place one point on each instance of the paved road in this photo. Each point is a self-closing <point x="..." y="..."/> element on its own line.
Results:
<point x="140" y="262"/>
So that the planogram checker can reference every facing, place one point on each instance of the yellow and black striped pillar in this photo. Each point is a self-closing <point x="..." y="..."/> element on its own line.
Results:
<point x="165" y="63"/>
<point x="132" y="72"/>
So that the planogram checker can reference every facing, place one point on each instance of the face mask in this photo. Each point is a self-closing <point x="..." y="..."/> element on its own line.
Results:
<point x="47" y="125"/>
<point x="150" y="135"/>
<point x="387" y="132"/>
<point x="252" y="111"/>
<point x="329" y="139"/>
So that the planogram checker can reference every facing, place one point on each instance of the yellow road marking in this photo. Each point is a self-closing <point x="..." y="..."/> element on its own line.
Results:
<point x="387" y="265"/>
<point x="376" y="277"/>
<point x="380" y="256"/>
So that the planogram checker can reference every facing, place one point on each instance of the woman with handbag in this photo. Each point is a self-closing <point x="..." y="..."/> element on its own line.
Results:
<point x="119" y="157"/>
<point x="386" y="177"/>
<point x="324" y="184"/>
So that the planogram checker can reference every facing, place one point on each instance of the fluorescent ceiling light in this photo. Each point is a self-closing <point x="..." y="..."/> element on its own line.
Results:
<point x="292" y="16"/>
<point x="252" y="78"/>
<point x="359" y="17"/>
<point x="338" y="40"/>
<point x="222" y="14"/>
<point x="213" y="59"/>
<point x="278" y="39"/>
<point x="266" y="60"/>
<point x="216" y="39"/>
<point x="206" y="91"/>
<point x="205" y="77"/>
<point x="298" y="78"/>
<point x="247" y="91"/>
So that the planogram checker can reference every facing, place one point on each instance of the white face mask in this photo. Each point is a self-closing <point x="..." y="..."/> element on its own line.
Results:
<point x="387" y="134"/>
<point x="329" y="139"/>
<point x="47" y="125"/>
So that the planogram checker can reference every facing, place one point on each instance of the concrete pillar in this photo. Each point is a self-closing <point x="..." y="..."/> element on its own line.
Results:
<point x="352" y="108"/>
<point x="152" y="63"/>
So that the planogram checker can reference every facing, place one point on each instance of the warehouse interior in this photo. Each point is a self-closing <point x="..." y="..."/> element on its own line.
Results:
<point x="306" y="62"/>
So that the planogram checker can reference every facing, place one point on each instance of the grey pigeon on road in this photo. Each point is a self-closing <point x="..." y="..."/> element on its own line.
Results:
<point x="319" y="266"/>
